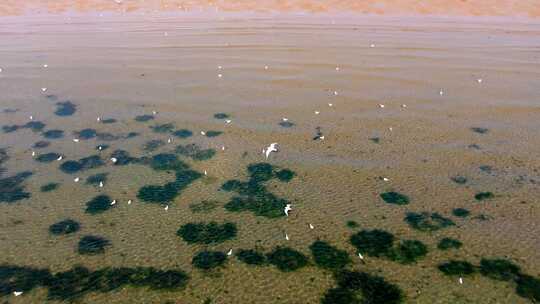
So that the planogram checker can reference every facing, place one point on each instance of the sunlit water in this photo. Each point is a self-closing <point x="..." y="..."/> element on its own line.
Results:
<point x="438" y="80"/>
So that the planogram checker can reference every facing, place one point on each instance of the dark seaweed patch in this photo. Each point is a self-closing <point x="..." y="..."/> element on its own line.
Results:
<point x="253" y="195"/>
<point x="221" y="116"/>
<point x="481" y="196"/>
<point x="66" y="226"/>
<point x="456" y="268"/>
<point x="102" y="147"/>
<point x="92" y="245"/>
<point x="99" y="204"/>
<point x="251" y="257"/>
<point x="10" y="128"/>
<point x="47" y="157"/>
<point x="499" y="269"/>
<point x="203" y="207"/>
<point x="105" y="136"/>
<point x="96" y="179"/>
<point x="375" y="139"/>
<point x="35" y="126"/>
<point x="461" y="180"/>
<point x="109" y="121"/>
<point x="479" y="130"/>
<point x="287" y="259"/>
<point x="395" y="198"/>
<point x="182" y="133"/>
<point x="286" y="124"/>
<point x="163" y="128"/>
<point x="66" y="108"/>
<point x="374" y="242"/>
<point x="167" y="161"/>
<point x="53" y="134"/>
<point x="144" y="118"/>
<point x="153" y="145"/>
<point x="528" y="287"/>
<point x="449" y="243"/>
<point x="202" y="233"/>
<point x="73" y="284"/>
<point x="213" y="133"/>
<point x="328" y="256"/>
<point x="195" y="152"/>
<point x="11" y="188"/>
<point x="408" y="251"/>
<point x="73" y="166"/>
<point x="41" y="144"/>
<point x="371" y="289"/>
<point x="285" y="175"/>
<point x="207" y="260"/>
<point x="352" y="224"/>
<point x="123" y="158"/>
<point x="426" y="221"/>
<point x="486" y="168"/>
<point x="86" y="134"/>
<point x="167" y="192"/>
<point x="461" y="212"/>
<point x="49" y="187"/>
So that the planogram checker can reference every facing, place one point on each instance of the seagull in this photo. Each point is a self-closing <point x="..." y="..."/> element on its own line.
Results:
<point x="228" y="121"/>
<point x="230" y="252"/>
<point x="479" y="80"/>
<point x="100" y="148"/>
<point x="33" y="153"/>
<point x="43" y="89"/>
<point x="330" y="104"/>
<point x="285" y="119"/>
<point x="441" y="92"/>
<point x="76" y="140"/>
<point x="287" y="209"/>
<point x="266" y="67"/>
<point x="286" y="236"/>
<point x="317" y="112"/>
<point x="113" y="202"/>
<point x="270" y="149"/>
<point x="219" y="67"/>
<point x="169" y="140"/>
<point x="360" y="256"/>
<point x="203" y="133"/>
<point x="129" y="202"/>
<point x="166" y="208"/>
<point x="460" y="280"/>
<point x="101" y="184"/>
<point x="381" y="105"/>
<point x="205" y="173"/>
<point x="335" y="93"/>
<point x="45" y="65"/>
<point x="17" y="293"/>
<point x="219" y="75"/>
<point x="337" y="68"/>
<point x="98" y="118"/>
<point x="60" y="158"/>
<point x="31" y="117"/>
<point x="390" y="129"/>
<point x="114" y="160"/>
<point x="76" y="179"/>
<point x="372" y="45"/>
<point x="403" y="105"/>
<point x="154" y="112"/>
<point x="385" y="179"/>
<point x="311" y="226"/>
<point x="1" y="70"/>
<point x="222" y="148"/>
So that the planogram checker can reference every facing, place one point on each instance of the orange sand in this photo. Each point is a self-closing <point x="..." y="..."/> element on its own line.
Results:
<point x="528" y="8"/>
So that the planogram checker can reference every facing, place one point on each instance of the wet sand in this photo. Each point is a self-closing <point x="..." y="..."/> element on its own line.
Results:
<point x="120" y="66"/>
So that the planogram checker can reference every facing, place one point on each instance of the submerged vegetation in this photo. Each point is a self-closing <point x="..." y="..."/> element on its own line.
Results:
<point x="251" y="257"/>
<point x="253" y="195"/>
<point x="85" y="163"/>
<point x="481" y="196"/>
<point x="461" y="212"/>
<point x="12" y="188"/>
<point x="99" y="204"/>
<point x="144" y="118"/>
<point x="207" y="233"/>
<point x="195" y="152"/>
<point x="207" y="260"/>
<point x="92" y="245"/>
<point x="35" y="126"/>
<point x="53" y="134"/>
<point x="328" y="256"/>
<point x="66" y="226"/>
<point x="49" y="187"/>
<point x="203" y="207"/>
<point x="182" y="133"/>
<point x="47" y="157"/>
<point x="163" y="128"/>
<point x="426" y="221"/>
<point x="449" y="243"/>
<point x="287" y="259"/>
<point x="66" y="108"/>
<point x="395" y="198"/>
<point x="221" y="116"/>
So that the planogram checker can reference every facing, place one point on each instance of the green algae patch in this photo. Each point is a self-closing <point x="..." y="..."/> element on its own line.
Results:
<point x="53" y="134"/>
<point x="479" y="130"/>
<point x="458" y="179"/>
<point x="207" y="260"/>
<point x="528" y="287"/>
<point x="352" y="224"/>
<point x="461" y="212"/>
<point x="41" y="144"/>
<point x="457" y="268"/>
<point x="85" y="163"/>
<point x="449" y="243"/>
<point x="340" y="296"/>
<point x="92" y="245"/>
<point x="12" y="188"/>
<point x="97" y="179"/>
<point x="144" y="118"/>
<point x="287" y="259"/>
<point x="99" y="204"/>
<point x="329" y="257"/>
<point x="361" y="287"/>
<point x="499" y="269"/>
<point x="182" y="133"/>
<point x="221" y="116"/>
<point x="395" y="198"/>
<point x="482" y="196"/>
<point x="374" y="242"/>
<point x="212" y="133"/>
<point x="163" y="128"/>
<point x="65" y="108"/>
<point x="195" y="152"/>
<point x="426" y="221"/>
<point x="251" y="257"/>
<point x="47" y="157"/>
<point x="49" y="187"/>
<point x="203" y="207"/>
<point x="211" y="233"/>
<point x="167" y="162"/>
<point x="286" y="124"/>
<point x="64" y="227"/>
<point x="408" y="251"/>
<point x="153" y="145"/>
<point x="253" y="195"/>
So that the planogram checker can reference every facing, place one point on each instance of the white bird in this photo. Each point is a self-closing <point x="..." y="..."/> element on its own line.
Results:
<point x="100" y="148"/>
<point x="17" y="293"/>
<point x="98" y="118"/>
<point x="114" y="160"/>
<point x="335" y="93"/>
<point x="385" y="179"/>
<point x="154" y="112"/>
<point x="76" y="179"/>
<point x="33" y="153"/>
<point x="360" y="256"/>
<point x="166" y="208"/>
<point x="266" y="67"/>
<point x="441" y="92"/>
<point x="1" y="70"/>
<point x="337" y="68"/>
<point x="228" y="121"/>
<point x="321" y="137"/>
<point x="286" y="236"/>
<point x="330" y="104"/>
<point x="317" y="112"/>
<point x="45" y="65"/>
<point x="311" y="226"/>
<point x="479" y="80"/>
<point x="169" y="140"/>
<point x="219" y="75"/>
<point x="31" y="117"/>
<point x="287" y="209"/>
<point x="43" y="89"/>
<point x="403" y="105"/>
<point x="76" y="140"/>
<point x="270" y="149"/>
<point x="101" y="184"/>
<point x="113" y="202"/>
<point x="230" y="252"/>
<point x="129" y="202"/>
<point x="203" y="133"/>
<point x="205" y="173"/>
<point x="372" y="45"/>
<point x="219" y="67"/>
<point x="60" y="158"/>
<point x="285" y="119"/>
<point x="381" y="105"/>
<point x="460" y="280"/>
<point x="390" y="129"/>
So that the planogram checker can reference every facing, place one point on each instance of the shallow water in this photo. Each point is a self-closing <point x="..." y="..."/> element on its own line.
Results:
<point x="123" y="66"/>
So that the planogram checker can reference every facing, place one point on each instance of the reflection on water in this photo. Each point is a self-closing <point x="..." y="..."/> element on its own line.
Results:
<point x="141" y="175"/>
